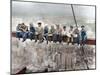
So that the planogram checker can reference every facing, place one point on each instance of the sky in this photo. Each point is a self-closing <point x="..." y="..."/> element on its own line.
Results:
<point x="49" y="9"/>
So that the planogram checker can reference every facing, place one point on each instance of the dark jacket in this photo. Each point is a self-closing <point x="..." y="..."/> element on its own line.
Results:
<point x="32" y="29"/>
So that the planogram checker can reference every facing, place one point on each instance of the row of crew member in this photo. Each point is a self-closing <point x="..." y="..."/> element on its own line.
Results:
<point x="56" y="33"/>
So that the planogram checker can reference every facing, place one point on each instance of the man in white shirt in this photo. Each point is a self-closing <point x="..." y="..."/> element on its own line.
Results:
<point x="70" y="35"/>
<point x="58" y="34"/>
<point x="76" y="36"/>
<point x="64" y="31"/>
<point x="64" y="34"/>
<point x="40" y="32"/>
<point x="51" y="33"/>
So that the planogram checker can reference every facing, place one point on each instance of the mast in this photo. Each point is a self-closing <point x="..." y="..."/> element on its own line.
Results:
<point x="74" y="15"/>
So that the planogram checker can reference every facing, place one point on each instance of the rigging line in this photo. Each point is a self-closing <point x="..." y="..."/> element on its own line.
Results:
<point x="85" y="60"/>
<point x="74" y="15"/>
